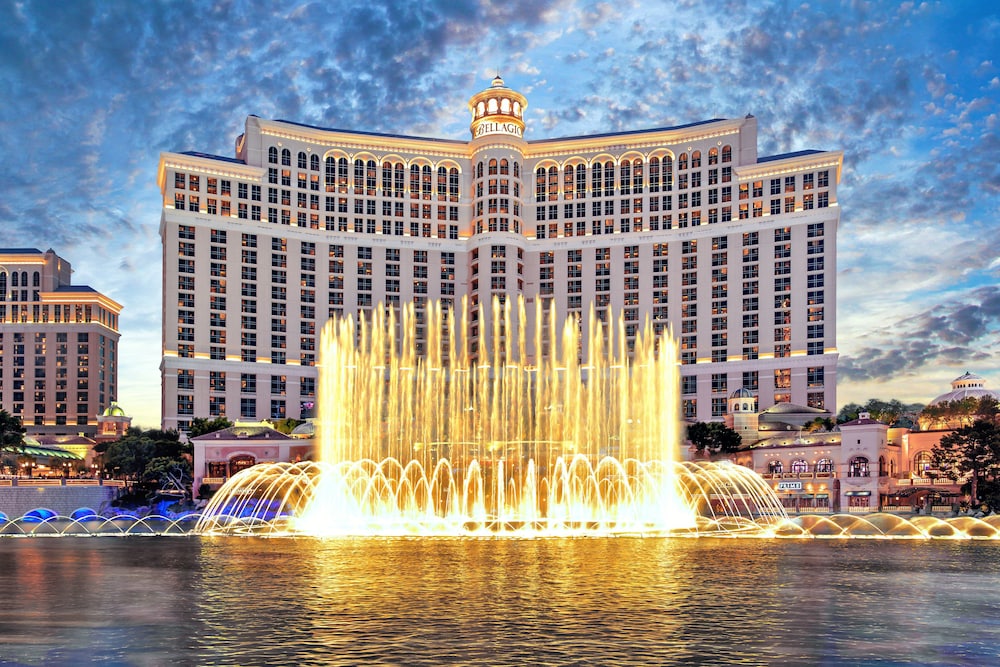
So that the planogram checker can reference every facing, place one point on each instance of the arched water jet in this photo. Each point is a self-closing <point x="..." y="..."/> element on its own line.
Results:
<point x="545" y="431"/>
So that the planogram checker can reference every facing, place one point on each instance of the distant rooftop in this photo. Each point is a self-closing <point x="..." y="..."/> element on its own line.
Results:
<point x="75" y="288"/>
<point x="372" y="134"/>
<point x="209" y="156"/>
<point x="786" y="156"/>
<point x="628" y="132"/>
<point x="21" y="251"/>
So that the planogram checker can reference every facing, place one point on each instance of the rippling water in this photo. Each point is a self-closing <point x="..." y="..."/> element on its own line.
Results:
<point x="238" y="601"/>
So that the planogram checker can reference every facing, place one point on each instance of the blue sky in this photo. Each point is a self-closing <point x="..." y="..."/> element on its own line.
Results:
<point x="94" y="91"/>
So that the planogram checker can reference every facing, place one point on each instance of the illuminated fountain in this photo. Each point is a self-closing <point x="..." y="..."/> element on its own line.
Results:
<point x="469" y="439"/>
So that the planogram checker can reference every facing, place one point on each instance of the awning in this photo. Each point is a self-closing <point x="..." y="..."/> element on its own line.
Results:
<point x="51" y="452"/>
<point x="858" y="493"/>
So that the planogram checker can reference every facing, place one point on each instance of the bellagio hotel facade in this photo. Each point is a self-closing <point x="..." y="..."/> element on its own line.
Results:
<point x="686" y="226"/>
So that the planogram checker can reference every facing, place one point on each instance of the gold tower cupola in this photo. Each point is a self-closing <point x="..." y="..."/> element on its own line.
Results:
<point x="498" y="110"/>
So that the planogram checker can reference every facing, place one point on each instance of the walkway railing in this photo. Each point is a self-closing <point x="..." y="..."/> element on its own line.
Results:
<point x="60" y="481"/>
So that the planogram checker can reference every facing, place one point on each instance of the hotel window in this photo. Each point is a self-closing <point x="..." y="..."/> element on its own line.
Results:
<point x="815" y="376"/>
<point x="823" y="200"/>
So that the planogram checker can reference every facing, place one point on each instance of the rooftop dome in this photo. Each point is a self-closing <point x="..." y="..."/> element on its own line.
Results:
<point x="968" y="385"/>
<point x="742" y="392"/>
<point x="113" y="410"/>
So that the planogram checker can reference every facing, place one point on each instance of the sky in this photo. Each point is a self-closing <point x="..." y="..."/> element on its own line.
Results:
<point x="93" y="92"/>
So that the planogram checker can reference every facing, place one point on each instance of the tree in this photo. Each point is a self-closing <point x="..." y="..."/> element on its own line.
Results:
<point x="960" y="412"/>
<point x="818" y="424"/>
<point x="887" y="412"/>
<point x="201" y="426"/>
<point x="287" y="425"/>
<point x="972" y="450"/>
<point x="11" y="437"/>
<point x="132" y="454"/>
<point x="713" y="437"/>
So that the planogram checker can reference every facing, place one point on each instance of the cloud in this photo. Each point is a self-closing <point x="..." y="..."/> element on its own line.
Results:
<point x="94" y="91"/>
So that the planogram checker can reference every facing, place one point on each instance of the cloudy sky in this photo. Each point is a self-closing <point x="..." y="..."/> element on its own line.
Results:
<point x="93" y="92"/>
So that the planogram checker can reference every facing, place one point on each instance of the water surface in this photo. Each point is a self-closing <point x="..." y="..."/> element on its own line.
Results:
<point x="251" y="601"/>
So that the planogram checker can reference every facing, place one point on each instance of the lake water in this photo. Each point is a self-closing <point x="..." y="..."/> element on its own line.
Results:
<point x="255" y="601"/>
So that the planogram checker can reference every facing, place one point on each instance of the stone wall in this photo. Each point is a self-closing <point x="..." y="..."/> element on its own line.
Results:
<point x="16" y="501"/>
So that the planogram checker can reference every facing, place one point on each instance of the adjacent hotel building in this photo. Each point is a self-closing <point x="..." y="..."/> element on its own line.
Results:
<point x="686" y="226"/>
<point x="58" y="345"/>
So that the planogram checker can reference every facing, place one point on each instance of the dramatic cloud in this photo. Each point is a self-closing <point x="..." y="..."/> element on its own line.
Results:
<point x="94" y="91"/>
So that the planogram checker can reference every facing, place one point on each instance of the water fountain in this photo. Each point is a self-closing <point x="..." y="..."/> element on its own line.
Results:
<point x="454" y="439"/>
<point x="460" y="438"/>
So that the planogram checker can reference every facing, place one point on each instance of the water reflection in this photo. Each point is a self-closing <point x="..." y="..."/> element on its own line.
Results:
<point x="153" y="601"/>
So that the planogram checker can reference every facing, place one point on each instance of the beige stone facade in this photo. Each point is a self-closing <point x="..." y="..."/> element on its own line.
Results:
<point x="687" y="226"/>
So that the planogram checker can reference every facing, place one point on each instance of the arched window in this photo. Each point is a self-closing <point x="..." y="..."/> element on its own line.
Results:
<point x="922" y="462"/>
<point x="331" y="174"/>
<point x="540" y="184"/>
<point x="480" y="109"/>
<point x="824" y="465"/>
<point x="609" y="178"/>
<point x="302" y="160"/>
<point x="668" y="173"/>
<point x="637" y="176"/>
<point x="505" y="105"/>
<point x="371" y="169"/>
<point x="272" y="155"/>
<point x="426" y="181"/>
<point x="493" y="167"/>
<point x="342" y="175"/>
<point x="3" y="285"/>
<point x="13" y="279"/>
<point x="800" y="465"/>
<point x="695" y="159"/>
<point x="654" y="174"/>
<point x="858" y="467"/>
<point x="386" y="179"/>
<point x="399" y="179"/>
<point x="504" y="167"/>
<point x="727" y="153"/>
<point x="36" y="279"/>
<point x="553" y="183"/>
<point x="682" y="161"/>
<point x="314" y="162"/>
<point x="491" y="105"/>
<point x="882" y="471"/>
<point x="453" y="184"/>
<point x="626" y="175"/>
<point x="359" y="177"/>
<point x="517" y="170"/>
<point x="286" y="157"/>
<point x="414" y="181"/>
<point x="713" y="156"/>
<point x="569" y="181"/>
<point x="442" y="183"/>
<point x="775" y="467"/>
<point x="479" y="170"/>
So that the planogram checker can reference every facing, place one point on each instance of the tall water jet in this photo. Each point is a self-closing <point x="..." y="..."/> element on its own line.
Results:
<point x="531" y="434"/>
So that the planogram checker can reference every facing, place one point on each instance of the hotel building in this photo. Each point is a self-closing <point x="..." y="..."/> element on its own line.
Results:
<point x="58" y="345"/>
<point x="686" y="226"/>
